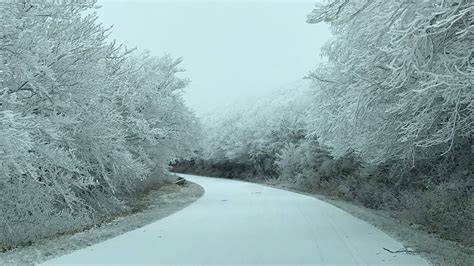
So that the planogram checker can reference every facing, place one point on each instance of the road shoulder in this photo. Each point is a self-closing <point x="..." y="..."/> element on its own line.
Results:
<point x="156" y="205"/>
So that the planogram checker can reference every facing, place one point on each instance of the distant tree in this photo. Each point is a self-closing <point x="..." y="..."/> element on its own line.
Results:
<point x="255" y="134"/>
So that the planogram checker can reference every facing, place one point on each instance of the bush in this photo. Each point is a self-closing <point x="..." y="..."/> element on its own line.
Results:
<point x="445" y="209"/>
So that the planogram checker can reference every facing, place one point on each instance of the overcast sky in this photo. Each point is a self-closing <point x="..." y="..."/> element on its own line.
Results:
<point x="231" y="50"/>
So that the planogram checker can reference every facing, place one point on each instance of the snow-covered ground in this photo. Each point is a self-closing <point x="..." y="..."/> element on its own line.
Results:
<point x="243" y="223"/>
<point x="149" y="207"/>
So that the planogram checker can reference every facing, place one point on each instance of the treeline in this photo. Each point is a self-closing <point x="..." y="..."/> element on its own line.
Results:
<point x="387" y="121"/>
<point x="84" y="123"/>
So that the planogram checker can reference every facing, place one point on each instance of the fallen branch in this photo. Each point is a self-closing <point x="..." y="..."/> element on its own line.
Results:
<point x="404" y="250"/>
<point x="180" y="181"/>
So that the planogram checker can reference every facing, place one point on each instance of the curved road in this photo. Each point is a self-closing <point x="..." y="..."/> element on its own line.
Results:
<point x="243" y="223"/>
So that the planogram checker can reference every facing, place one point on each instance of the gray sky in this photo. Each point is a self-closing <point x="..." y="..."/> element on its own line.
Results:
<point x="232" y="50"/>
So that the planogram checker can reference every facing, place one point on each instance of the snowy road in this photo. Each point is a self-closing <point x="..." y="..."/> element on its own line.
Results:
<point x="243" y="223"/>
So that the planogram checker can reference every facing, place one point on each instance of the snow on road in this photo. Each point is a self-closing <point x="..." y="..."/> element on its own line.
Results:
<point x="243" y="223"/>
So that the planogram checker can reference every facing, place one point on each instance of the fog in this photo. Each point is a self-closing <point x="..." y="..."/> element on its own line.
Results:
<point x="231" y="50"/>
<point x="98" y="142"/>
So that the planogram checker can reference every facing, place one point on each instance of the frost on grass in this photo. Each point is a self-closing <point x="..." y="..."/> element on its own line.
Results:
<point x="148" y="207"/>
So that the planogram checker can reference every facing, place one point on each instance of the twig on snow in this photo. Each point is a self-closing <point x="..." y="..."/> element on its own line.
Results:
<point x="404" y="250"/>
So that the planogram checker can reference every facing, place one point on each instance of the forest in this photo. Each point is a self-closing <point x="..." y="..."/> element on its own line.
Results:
<point x="386" y="122"/>
<point x="85" y="123"/>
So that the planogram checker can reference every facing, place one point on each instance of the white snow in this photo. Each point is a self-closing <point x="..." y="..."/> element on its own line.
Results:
<point x="243" y="223"/>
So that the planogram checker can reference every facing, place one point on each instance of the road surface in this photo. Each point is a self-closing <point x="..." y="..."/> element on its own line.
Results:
<point x="243" y="223"/>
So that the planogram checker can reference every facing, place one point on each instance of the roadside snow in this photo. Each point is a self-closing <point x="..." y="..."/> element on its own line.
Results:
<point x="243" y="223"/>
<point x="158" y="204"/>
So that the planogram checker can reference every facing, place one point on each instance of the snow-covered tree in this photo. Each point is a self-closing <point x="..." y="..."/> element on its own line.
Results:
<point x="254" y="134"/>
<point x="398" y="83"/>
<point x="82" y="120"/>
